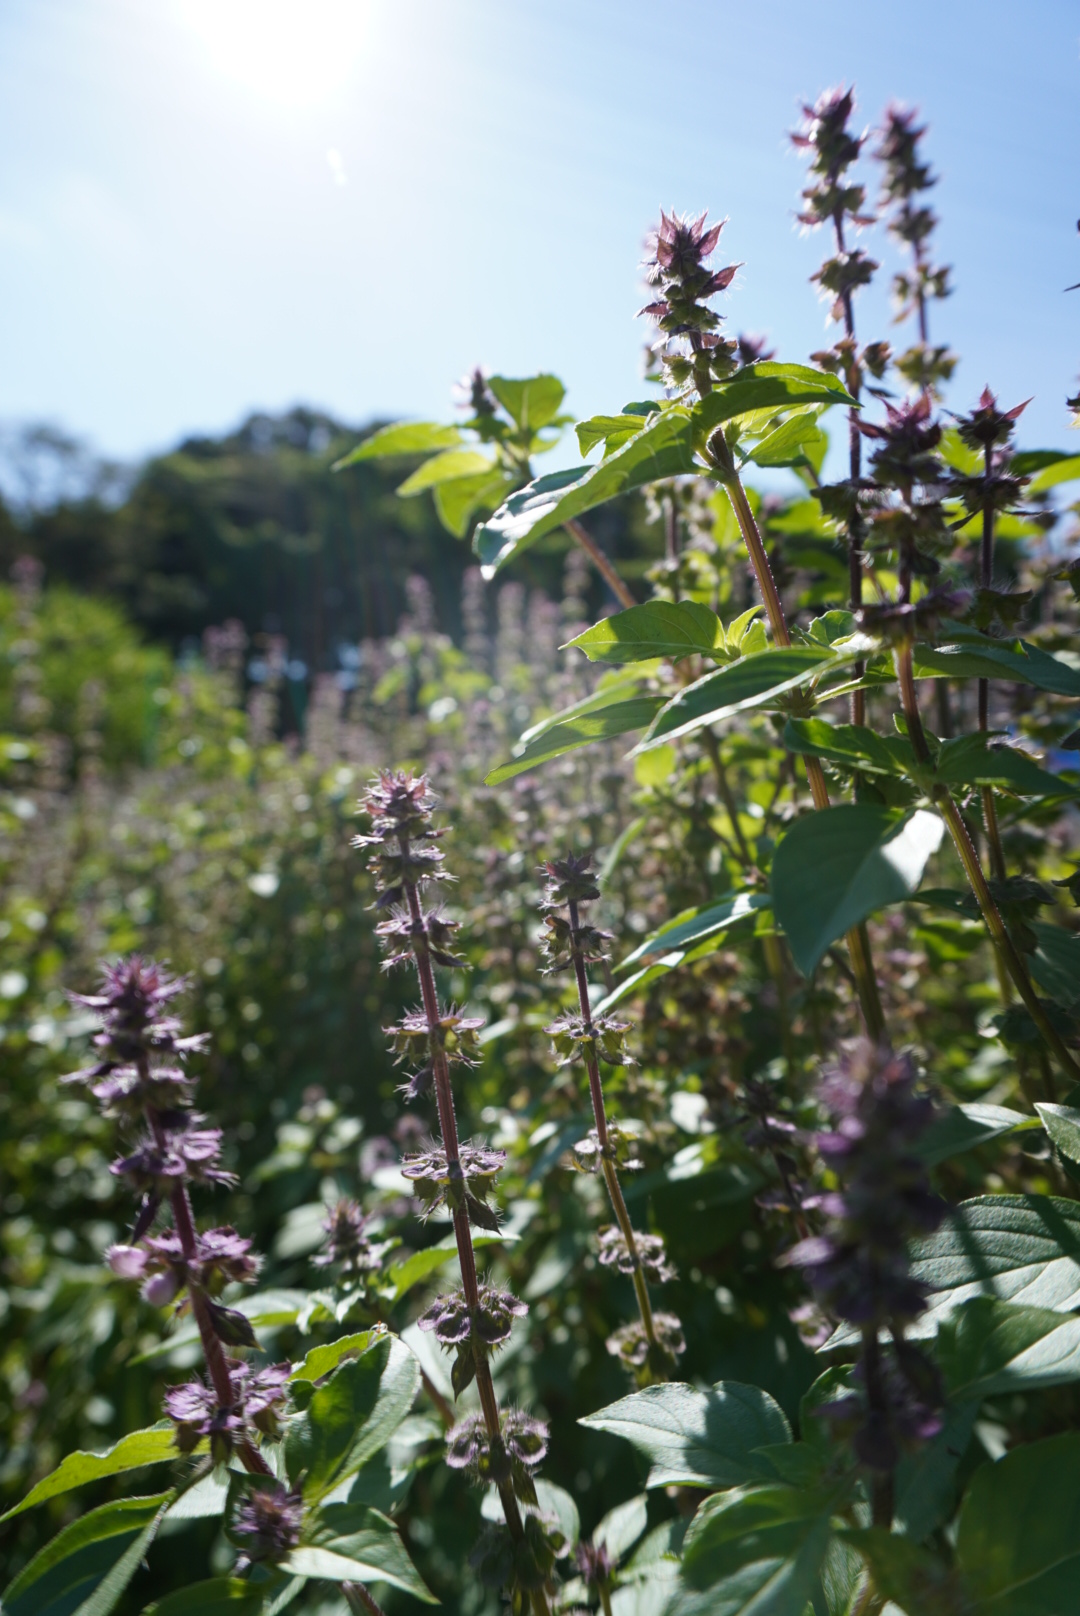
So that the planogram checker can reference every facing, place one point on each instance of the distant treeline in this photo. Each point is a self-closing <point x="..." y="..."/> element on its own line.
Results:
<point x="255" y="526"/>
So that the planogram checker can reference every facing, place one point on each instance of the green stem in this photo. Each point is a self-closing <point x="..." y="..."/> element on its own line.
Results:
<point x="600" y="561"/>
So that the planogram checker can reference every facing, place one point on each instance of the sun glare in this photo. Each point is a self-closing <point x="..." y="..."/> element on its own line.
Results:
<point x="291" y="51"/>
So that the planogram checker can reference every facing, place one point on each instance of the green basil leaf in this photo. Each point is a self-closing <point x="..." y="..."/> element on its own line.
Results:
<point x="152" y="1446"/>
<point x="755" y="681"/>
<point x="458" y="501"/>
<point x="320" y="1361"/>
<point x="977" y="657"/>
<point x="622" y="1526"/>
<point x="444" y="468"/>
<point x="694" y="1438"/>
<point x="838" y="865"/>
<point x="962" y="1127"/>
<point x="86" y="1568"/>
<point x="662" y="449"/>
<point x="402" y="438"/>
<point x="613" y="431"/>
<point x="1056" y="962"/>
<point x="694" y="925"/>
<point x="602" y="724"/>
<point x="661" y="628"/>
<point x="404" y="1275"/>
<point x="989" y="1348"/>
<point x="766" y="386"/>
<point x="351" y="1416"/>
<point x="1062" y="1123"/>
<point x="352" y="1543"/>
<point x="219" y="1596"/>
<point x="1018" y="1541"/>
<point x="531" y="402"/>
<point x="853" y="746"/>
<point x="970" y="760"/>
<point x="913" y="1577"/>
<point x="755" y="1550"/>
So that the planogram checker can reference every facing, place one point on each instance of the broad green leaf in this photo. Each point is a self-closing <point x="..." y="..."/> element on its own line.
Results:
<point x="1055" y="964"/>
<point x="791" y="444"/>
<point x="458" y="501"/>
<point x="767" y="386"/>
<point x="694" y="925"/>
<point x="663" y="449"/>
<point x="603" y="724"/>
<point x="925" y="1487"/>
<point x="838" y="865"/>
<point x="87" y="1566"/>
<point x="853" y="746"/>
<point x="970" y="760"/>
<point x="531" y="402"/>
<point x="977" y="657"/>
<point x="1019" y="1535"/>
<point x="613" y="431"/>
<point x="350" y="1416"/>
<point x="661" y="628"/>
<point x="321" y="1360"/>
<point x="152" y="1446"/>
<point x="445" y="468"/>
<point x="622" y="1526"/>
<point x="1064" y="469"/>
<point x="694" y="1438"/>
<point x="755" y="681"/>
<point x="402" y="438"/>
<point x="963" y="1127"/>
<point x="1062" y="1123"/>
<point x="201" y="1501"/>
<point x="916" y="1579"/>
<point x="1020" y="1248"/>
<point x="219" y="1596"/>
<point x="989" y="1348"/>
<point x="404" y="1275"/>
<point x="350" y="1543"/>
<point x="757" y="1551"/>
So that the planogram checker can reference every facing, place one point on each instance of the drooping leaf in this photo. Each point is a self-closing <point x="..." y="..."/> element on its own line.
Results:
<point x="1062" y="1123"/>
<point x="445" y="468"/>
<point x="531" y="402"/>
<point x="154" y="1445"/>
<point x="351" y="1543"/>
<point x="853" y="746"/>
<point x="84" y="1570"/>
<point x="321" y="1360"/>
<point x="766" y="386"/>
<point x="458" y="501"/>
<point x="1055" y="964"/>
<point x="989" y="1348"/>
<point x="351" y="1415"/>
<point x="977" y="657"/>
<point x="400" y="439"/>
<point x="613" y="431"/>
<point x="959" y="1128"/>
<point x="694" y="1438"/>
<point x="755" y="681"/>
<point x="757" y="1551"/>
<point x="219" y="1596"/>
<point x="1019" y="1535"/>
<point x="694" y="925"/>
<point x="970" y="760"/>
<point x="661" y="628"/>
<point x="663" y="449"/>
<point x="838" y="865"/>
<point x="602" y="724"/>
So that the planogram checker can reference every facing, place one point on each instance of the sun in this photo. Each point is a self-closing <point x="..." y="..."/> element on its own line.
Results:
<point x="295" y="52"/>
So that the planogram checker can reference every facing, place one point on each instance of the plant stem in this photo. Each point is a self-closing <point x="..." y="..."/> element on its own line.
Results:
<point x="359" y="1600"/>
<point x="854" y="536"/>
<point x="993" y="834"/>
<point x="605" y="1598"/>
<point x="858" y="940"/>
<point x="881" y="1487"/>
<point x="444" y="1099"/>
<point x="965" y="847"/>
<point x="611" y="1177"/>
<point x="600" y="561"/>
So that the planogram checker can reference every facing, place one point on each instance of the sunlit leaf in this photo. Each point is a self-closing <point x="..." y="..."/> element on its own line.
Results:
<point x="402" y="438"/>
<point x="86" y="1568"/>
<point x="351" y="1416"/>
<point x="352" y="1543"/>
<point x="152" y="1446"/>
<point x="444" y="468"/>
<point x="603" y="724"/>
<point x="531" y="401"/>
<point x="990" y="1348"/>
<point x="755" y="681"/>
<point x="697" y="1439"/>
<point x="660" y="628"/>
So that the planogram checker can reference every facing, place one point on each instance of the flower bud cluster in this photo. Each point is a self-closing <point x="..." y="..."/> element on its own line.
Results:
<point x="832" y="199"/>
<point x="648" y="1254"/>
<point x="631" y="1344"/>
<point x="912" y="524"/>
<point x="859" y="1266"/>
<point x="463" y="1184"/>
<point x="512" y="1456"/>
<point x="347" y="1245"/>
<point x="912" y="223"/>
<point x="267" y="1522"/>
<point x="139" y="1077"/>
<point x="691" y="351"/>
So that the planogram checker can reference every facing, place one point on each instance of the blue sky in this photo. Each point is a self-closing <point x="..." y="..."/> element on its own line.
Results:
<point x="212" y="206"/>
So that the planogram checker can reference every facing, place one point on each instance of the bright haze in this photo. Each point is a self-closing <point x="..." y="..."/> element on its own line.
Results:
<point x="214" y="206"/>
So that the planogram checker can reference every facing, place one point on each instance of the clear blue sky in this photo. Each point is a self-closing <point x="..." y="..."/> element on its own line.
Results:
<point x="212" y="206"/>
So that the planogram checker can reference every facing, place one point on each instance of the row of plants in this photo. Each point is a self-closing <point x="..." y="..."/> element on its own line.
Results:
<point x="743" y="1087"/>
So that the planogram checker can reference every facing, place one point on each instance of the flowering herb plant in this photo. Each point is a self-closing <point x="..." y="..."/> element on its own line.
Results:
<point x="766" y="1233"/>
